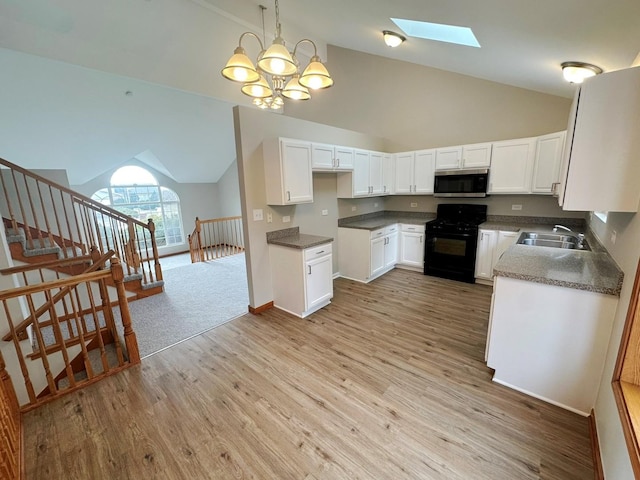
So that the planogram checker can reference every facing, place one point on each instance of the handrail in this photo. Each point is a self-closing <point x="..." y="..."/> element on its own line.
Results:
<point x="52" y="264"/>
<point x="215" y="238"/>
<point x="112" y="211"/>
<point x="62" y="284"/>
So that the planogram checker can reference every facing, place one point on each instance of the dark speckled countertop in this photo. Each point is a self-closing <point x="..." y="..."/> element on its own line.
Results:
<point x="292" y="238"/>
<point x="384" y="219"/>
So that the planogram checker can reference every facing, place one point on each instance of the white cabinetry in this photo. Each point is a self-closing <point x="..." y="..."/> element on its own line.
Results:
<point x="412" y="246"/>
<point x="546" y="168"/>
<point x="537" y="347"/>
<point x="512" y="165"/>
<point x="600" y="165"/>
<point x="414" y="172"/>
<point x="302" y="279"/>
<point x="477" y="155"/>
<point x="366" y="178"/>
<point x="364" y="254"/>
<point x="491" y="246"/>
<point x="331" y="158"/>
<point x="287" y="169"/>
<point x="388" y="174"/>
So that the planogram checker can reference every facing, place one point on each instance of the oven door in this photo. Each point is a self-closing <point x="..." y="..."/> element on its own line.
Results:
<point x="451" y="255"/>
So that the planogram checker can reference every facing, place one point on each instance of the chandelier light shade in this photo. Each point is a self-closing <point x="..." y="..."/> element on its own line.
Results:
<point x="576" y="72"/>
<point x="392" y="39"/>
<point x="276" y="74"/>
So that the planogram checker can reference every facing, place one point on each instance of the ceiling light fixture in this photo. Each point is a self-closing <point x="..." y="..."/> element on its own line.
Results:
<point x="576" y="72"/>
<point x="277" y="73"/>
<point x="392" y="39"/>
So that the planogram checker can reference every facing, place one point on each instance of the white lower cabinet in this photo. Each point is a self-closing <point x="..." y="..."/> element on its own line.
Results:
<point x="302" y="279"/>
<point x="491" y="246"/>
<point x="412" y="246"/>
<point x="365" y="254"/>
<point x="550" y="342"/>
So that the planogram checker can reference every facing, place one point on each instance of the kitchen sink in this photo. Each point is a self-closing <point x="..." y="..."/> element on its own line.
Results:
<point x="554" y="240"/>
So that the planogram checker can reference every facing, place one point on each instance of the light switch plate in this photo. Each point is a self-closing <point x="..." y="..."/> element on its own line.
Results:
<point x="269" y="217"/>
<point x="414" y="204"/>
<point x="286" y="219"/>
<point x="258" y="215"/>
<point x="516" y="207"/>
<point x="325" y="212"/>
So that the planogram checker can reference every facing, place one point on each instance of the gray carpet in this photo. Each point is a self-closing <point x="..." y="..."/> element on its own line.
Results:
<point x="197" y="297"/>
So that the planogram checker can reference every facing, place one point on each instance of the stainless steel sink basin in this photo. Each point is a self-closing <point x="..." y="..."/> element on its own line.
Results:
<point x="554" y="240"/>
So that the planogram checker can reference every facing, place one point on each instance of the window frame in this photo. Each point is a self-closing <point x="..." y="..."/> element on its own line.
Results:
<point x="626" y="377"/>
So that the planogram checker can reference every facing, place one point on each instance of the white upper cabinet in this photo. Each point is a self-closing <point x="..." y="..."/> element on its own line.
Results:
<point x="361" y="185"/>
<point x="388" y="174"/>
<point x="414" y="172"/>
<point x="511" y="166"/>
<point x="477" y="155"/>
<point x="546" y="168"/>
<point x="448" y="158"/>
<point x="601" y="164"/>
<point x="367" y="177"/>
<point x="376" y="180"/>
<point x="325" y="157"/>
<point x="287" y="165"/>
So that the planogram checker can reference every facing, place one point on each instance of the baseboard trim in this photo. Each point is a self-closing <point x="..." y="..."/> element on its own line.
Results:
<point x="261" y="308"/>
<point x="598" y="471"/>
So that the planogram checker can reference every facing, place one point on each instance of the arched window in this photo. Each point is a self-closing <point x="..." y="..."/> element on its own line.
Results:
<point x="135" y="192"/>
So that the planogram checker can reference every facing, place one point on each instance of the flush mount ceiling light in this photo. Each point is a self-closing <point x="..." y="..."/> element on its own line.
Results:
<point x="576" y="72"/>
<point x="438" y="32"/>
<point x="392" y="39"/>
<point x="277" y="73"/>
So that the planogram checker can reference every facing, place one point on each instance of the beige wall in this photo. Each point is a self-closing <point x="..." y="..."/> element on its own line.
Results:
<point x="228" y="195"/>
<point x="625" y="252"/>
<point x="418" y="107"/>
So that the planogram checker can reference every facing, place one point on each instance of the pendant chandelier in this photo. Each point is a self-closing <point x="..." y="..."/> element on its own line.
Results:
<point x="276" y="75"/>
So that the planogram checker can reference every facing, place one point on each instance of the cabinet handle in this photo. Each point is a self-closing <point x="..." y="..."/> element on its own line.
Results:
<point x="288" y="196"/>
<point x="384" y="189"/>
<point x="321" y="251"/>
<point x="420" y="238"/>
<point x="414" y="189"/>
<point x="309" y="269"/>
<point x="338" y="162"/>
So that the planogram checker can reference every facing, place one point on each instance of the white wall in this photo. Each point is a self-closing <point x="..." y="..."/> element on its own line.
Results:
<point x="229" y="192"/>
<point x="626" y="252"/>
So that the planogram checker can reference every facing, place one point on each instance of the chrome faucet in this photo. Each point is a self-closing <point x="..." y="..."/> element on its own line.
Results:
<point x="555" y="229"/>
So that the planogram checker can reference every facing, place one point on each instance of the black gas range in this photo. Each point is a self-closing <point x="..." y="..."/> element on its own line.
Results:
<point x="451" y="241"/>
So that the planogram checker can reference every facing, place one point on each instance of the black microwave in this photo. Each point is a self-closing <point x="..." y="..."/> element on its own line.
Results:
<point x="461" y="183"/>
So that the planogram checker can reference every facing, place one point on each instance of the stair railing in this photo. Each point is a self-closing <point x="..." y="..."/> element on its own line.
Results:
<point x="216" y="238"/>
<point x="50" y="218"/>
<point x="90" y="320"/>
<point x="10" y="427"/>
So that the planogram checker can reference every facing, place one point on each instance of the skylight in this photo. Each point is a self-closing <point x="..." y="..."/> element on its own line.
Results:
<point x="438" y="32"/>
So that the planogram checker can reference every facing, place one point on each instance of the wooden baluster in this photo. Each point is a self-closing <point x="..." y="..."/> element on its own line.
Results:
<point x="154" y="246"/>
<point x="41" y="345"/>
<point x="25" y="226"/>
<point x="7" y="387"/>
<point x="144" y="262"/>
<point x="129" y="335"/>
<point x="68" y="222"/>
<point x="49" y="233"/>
<point x="96" y="228"/>
<point x="77" y="310"/>
<point x="63" y="239"/>
<point x="16" y="343"/>
<point x="34" y="214"/>
<point x="12" y="217"/>
<point x="109" y="319"/>
<point x="98" y="329"/>
<point x="59" y="338"/>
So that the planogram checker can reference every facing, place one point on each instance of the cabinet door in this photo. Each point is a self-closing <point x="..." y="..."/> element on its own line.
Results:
<point x="412" y="249"/>
<point x="546" y="169"/>
<point x="296" y="171"/>
<point x="361" y="173"/>
<point x="343" y="158"/>
<point x="322" y="156"/>
<point x="391" y="250"/>
<point x="388" y="174"/>
<point x="504" y="241"/>
<point x="377" y="255"/>
<point x="511" y="166"/>
<point x="424" y="165"/>
<point x="448" y="158"/>
<point x="376" y="173"/>
<point x="476" y="156"/>
<point x="484" y="255"/>
<point x="404" y="173"/>
<point x="319" y="281"/>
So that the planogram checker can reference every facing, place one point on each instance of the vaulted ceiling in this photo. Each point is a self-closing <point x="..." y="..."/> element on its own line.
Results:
<point x="182" y="44"/>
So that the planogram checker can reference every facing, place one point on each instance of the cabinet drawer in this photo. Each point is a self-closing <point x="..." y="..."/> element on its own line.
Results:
<point x="391" y="229"/>
<point x="317" y="252"/>
<point x="377" y="233"/>
<point x="407" y="227"/>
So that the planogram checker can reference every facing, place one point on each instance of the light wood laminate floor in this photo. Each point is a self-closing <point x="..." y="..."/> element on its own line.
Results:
<point x="387" y="382"/>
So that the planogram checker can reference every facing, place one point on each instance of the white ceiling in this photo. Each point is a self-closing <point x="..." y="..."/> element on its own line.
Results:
<point x="183" y="44"/>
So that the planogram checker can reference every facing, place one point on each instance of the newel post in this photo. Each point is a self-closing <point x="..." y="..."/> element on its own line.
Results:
<point x="154" y="246"/>
<point x="7" y="386"/>
<point x="130" y="339"/>
<point x="200" y="245"/>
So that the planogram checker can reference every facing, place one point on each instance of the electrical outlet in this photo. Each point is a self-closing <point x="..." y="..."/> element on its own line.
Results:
<point x="516" y="207"/>
<point x="269" y="217"/>
<point x="286" y="219"/>
<point x="354" y="208"/>
<point x="414" y="204"/>
<point x="257" y="215"/>
<point x="325" y="213"/>
<point x="614" y="236"/>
